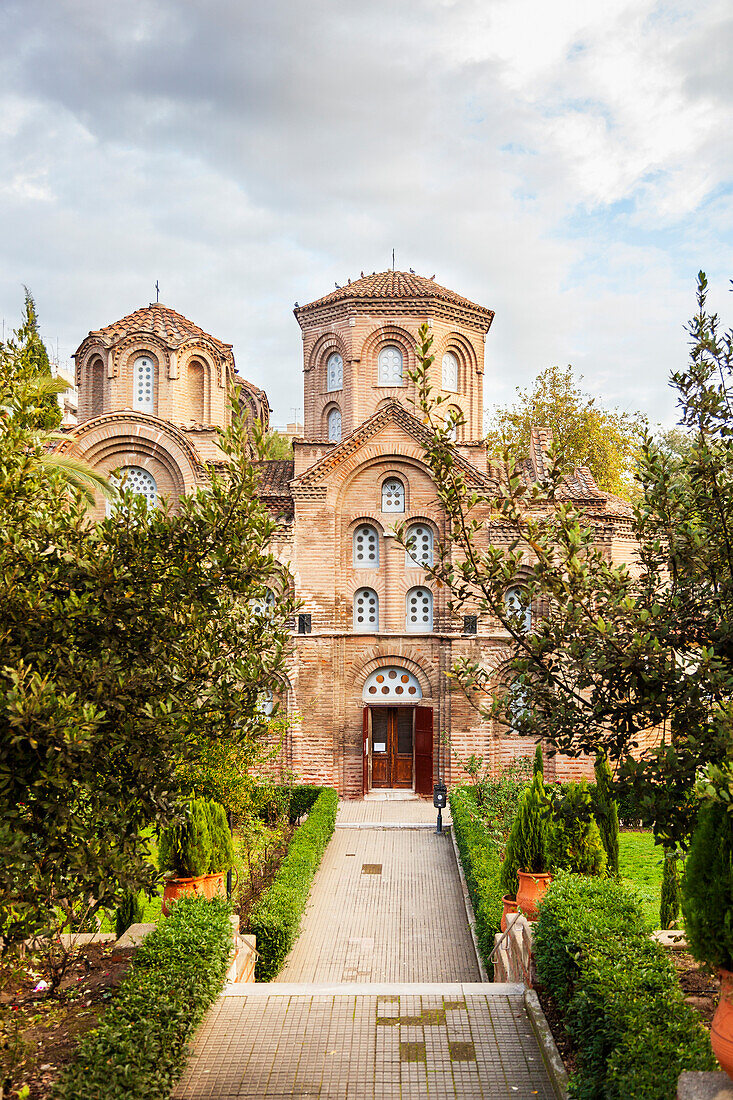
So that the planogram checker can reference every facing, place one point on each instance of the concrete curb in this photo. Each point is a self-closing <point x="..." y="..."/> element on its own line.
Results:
<point x="470" y="915"/>
<point x="375" y="989"/>
<point x="550" y="1054"/>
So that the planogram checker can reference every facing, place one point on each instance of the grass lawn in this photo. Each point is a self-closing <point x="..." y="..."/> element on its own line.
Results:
<point x="640" y="863"/>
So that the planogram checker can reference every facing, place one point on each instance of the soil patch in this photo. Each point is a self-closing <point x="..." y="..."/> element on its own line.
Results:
<point x="700" y="985"/>
<point x="563" y="1042"/>
<point x="40" y="1031"/>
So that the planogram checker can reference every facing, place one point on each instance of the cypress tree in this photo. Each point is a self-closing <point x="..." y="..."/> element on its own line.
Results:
<point x="605" y="810"/>
<point x="526" y="848"/>
<point x="222" y="846"/>
<point x="575" y="842"/>
<point x="539" y="763"/>
<point x="185" y="849"/>
<point x="669" y="905"/>
<point x="130" y="911"/>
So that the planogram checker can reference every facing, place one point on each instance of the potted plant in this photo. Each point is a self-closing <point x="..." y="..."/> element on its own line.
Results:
<point x="184" y="853"/>
<point x="707" y="899"/>
<point x="524" y="872"/>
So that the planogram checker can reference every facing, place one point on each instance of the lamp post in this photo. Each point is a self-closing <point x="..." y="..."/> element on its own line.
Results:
<point x="440" y="801"/>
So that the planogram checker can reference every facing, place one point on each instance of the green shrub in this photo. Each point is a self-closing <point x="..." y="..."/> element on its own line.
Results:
<point x="618" y="992"/>
<point x="481" y="865"/>
<point x="526" y="848"/>
<point x="185" y="848"/>
<point x="605" y="811"/>
<point x="669" y="902"/>
<point x="574" y="841"/>
<point x="539" y="763"/>
<point x="138" y="1050"/>
<point x="275" y="917"/>
<point x="222" y="846"/>
<point x="707" y="887"/>
<point x="302" y="799"/>
<point x="130" y="911"/>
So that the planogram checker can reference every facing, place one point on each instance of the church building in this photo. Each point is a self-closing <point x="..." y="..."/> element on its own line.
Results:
<point x="368" y="702"/>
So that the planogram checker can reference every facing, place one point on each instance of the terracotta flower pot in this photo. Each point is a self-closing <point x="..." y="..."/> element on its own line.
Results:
<point x="721" y="1032"/>
<point x="176" y="887"/>
<point x="215" y="885"/>
<point x="531" y="890"/>
<point x="510" y="906"/>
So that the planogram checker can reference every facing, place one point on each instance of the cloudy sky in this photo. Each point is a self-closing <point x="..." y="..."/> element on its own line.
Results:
<point x="569" y="165"/>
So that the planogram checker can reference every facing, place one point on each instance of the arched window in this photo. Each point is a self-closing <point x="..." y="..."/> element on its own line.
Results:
<point x="265" y="703"/>
<point x="263" y="603"/>
<point x="450" y="371"/>
<point x="516" y="603"/>
<point x="419" y="617"/>
<point x="143" y="386"/>
<point x="419" y="550"/>
<point x="196" y="389"/>
<point x="453" y="417"/>
<point x="96" y="388"/>
<point x="391" y="684"/>
<point x="366" y="547"/>
<point x="393" y="495"/>
<point x="139" y="481"/>
<point x="334" y="426"/>
<point x="366" y="610"/>
<point x="390" y="366"/>
<point x="334" y="372"/>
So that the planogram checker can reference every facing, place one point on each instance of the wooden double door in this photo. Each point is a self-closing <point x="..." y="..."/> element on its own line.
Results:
<point x="393" y="746"/>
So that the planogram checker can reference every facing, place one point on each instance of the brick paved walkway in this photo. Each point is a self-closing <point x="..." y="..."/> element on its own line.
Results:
<point x="380" y="996"/>
<point x="458" y="1042"/>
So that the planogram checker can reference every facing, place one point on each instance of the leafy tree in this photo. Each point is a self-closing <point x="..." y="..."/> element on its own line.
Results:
<point x="125" y="646"/>
<point x="585" y="434"/>
<point x="277" y="445"/>
<point x="23" y="358"/>
<point x="615" y="656"/>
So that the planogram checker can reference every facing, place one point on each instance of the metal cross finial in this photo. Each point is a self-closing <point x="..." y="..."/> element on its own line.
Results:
<point x="157" y="291"/>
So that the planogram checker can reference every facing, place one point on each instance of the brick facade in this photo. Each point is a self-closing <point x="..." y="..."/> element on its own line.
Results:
<point x="325" y="495"/>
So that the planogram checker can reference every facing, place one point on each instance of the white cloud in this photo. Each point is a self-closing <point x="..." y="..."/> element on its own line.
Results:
<point x="566" y="164"/>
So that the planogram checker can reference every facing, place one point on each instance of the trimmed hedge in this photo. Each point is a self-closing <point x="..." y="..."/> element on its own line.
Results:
<point x="270" y="801"/>
<point x="618" y="992"/>
<point x="139" y="1048"/>
<point x="481" y="866"/>
<point x="275" y="917"/>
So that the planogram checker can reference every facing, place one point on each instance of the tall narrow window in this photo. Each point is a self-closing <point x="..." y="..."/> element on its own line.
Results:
<point x="366" y="547"/>
<point x="393" y="495"/>
<point x="196" y="390"/>
<point x="390" y="366"/>
<point x="419" y="616"/>
<point x="366" y="611"/>
<point x="143" y="392"/>
<point x="334" y="372"/>
<point x="450" y="371"/>
<point x="334" y="426"/>
<point x="139" y="481"/>
<point x="516" y="603"/>
<point x="419" y="551"/>
<point x="96" y="376"/>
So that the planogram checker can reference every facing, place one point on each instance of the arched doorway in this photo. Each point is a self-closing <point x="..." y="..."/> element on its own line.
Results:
<point x="398" y="732"/>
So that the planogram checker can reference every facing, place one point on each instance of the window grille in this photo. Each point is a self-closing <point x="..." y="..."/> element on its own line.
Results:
<point x="516" y="603"/>
<point x="419" y="617"/>
<point x="390" y="366"/>
<point x="334" y="372"/>
<point x="393" y="495"/>
<point x="334" y="426"/>
<point x="391" y="684"/>
<point x="450" y="371"/>
<point x="366" y="610"/>
<point x="366" y="546"/>
<point x="139" y="481"/>
<point x="419" y="551"/>
<point x="143" y="392"/>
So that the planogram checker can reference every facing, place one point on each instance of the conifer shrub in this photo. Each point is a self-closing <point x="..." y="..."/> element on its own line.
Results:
<point x="669" y="902"/>
<point x="222" y="846"/>
<point x="605" y="811"/>
<point x="526" y="848"/>
<point x="129" y="911"/>
<point x="539" y="763"/>
<point x="185" y="848"/>
<point x="707" y="887"/>
<point x="574" y="840"/>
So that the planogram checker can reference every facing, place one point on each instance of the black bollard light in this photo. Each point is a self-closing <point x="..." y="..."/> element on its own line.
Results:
<point x="440" y="801"/>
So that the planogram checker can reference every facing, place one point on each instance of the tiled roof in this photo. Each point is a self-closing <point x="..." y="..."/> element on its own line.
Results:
<point x="275" y="474"/>
<point x="171" y="327"/>
<point x="394" y="284"/>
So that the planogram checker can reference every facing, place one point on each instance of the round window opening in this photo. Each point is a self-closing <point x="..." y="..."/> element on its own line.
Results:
<point x="392" y="684"/>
